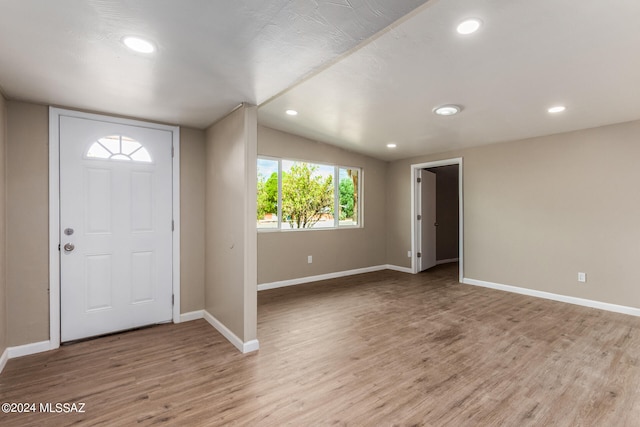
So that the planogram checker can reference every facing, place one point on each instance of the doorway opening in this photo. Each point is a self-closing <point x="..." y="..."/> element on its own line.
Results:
<point x="437" y="215"/>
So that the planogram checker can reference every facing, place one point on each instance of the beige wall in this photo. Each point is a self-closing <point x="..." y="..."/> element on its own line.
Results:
<point x="230" y="206"/>
<point x="27" y="213"/>
<point x="3" y="282"/>
<point x="192" y="173"/>
<point x="283" y="255"/>
<point x="538" y="211"/>
<point x="27" y="223"/>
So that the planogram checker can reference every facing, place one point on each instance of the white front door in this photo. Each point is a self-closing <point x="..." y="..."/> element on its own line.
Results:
<point x="115" y="227"/>
<point x="427" y="192"/>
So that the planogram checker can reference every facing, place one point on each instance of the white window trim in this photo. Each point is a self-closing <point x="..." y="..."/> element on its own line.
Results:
<point x="336" y="199"/>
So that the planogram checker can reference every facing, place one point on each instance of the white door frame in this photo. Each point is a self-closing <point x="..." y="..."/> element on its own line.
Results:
<point x="414" y="211"/>
<point x="54" y="210"/>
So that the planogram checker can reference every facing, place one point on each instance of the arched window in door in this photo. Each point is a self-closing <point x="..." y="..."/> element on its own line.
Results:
<point x="118" y="147"/>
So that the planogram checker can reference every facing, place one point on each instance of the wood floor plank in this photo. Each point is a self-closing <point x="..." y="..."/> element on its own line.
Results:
<point x="382" y="348"/>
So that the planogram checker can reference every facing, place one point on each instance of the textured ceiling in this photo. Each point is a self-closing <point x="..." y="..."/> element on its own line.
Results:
<point x="212" y="55"/>
<point x="527" y="57"/>
<point x="361" y="73"/>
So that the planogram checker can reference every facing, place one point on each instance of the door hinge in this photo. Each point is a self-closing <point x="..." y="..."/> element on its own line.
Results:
<point x="419" y="254"/>
<point x="172" y="151"/>
<point x="58" y="247"/>
<point x="173" y="299"/>
<point x="419" y="180"/>
<point x="419" y="217"/>
<point x="173" y="225"/>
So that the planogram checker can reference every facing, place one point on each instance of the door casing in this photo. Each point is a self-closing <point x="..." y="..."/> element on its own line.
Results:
<point x="54" y="210"/>
<point x="415" y="168"/>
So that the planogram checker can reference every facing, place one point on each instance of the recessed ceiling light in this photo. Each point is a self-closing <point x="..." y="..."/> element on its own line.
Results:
<point x="447" y="110"/>
<point x="557" y="109"/>
<point x="469" y="26"/>
<point x="139" y="45"/>
<point x="391" y="145"/>
<point x="292" y="112"/>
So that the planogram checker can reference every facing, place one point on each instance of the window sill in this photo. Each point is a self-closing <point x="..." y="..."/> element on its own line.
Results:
<point x="293" y="230"/>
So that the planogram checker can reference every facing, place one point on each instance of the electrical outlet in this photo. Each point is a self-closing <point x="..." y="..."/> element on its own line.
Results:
<point x="582" y="277"/>
<point x="309" y="259"/>
<point x="408" y="254"/>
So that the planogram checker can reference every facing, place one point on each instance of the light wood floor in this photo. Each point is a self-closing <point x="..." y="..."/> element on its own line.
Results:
<point x="382" y="348"/>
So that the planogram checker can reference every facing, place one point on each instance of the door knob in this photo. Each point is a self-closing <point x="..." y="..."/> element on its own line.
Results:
<point x="69" y="247"/>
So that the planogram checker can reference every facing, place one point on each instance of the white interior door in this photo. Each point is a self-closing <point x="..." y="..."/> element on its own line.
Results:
<point x="116" y="227"/>
<point x="427" y="223"/>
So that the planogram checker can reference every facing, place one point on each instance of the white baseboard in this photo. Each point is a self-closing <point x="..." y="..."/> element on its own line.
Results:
<point x="27" y="349"/>
<point x="556" y="297"/>
<point x="244" y="347"/>
<point x="3" y="359"/>
<point x="308" y="279"/>
<point x="400" y="269"/>
<point x="447" y="261"/>
<point x="192" y="315"/>
<point x="39" y="347"/>
<point x="250" y="346"/>
<point x="23" y="350"/>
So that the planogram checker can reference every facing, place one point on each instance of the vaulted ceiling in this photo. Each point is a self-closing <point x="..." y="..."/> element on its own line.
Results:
<point x="360" y="73"/>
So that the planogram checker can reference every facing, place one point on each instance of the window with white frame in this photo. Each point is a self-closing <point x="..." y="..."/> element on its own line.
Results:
<point x="118" y="147"/>
<point x="303" y="195"/>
